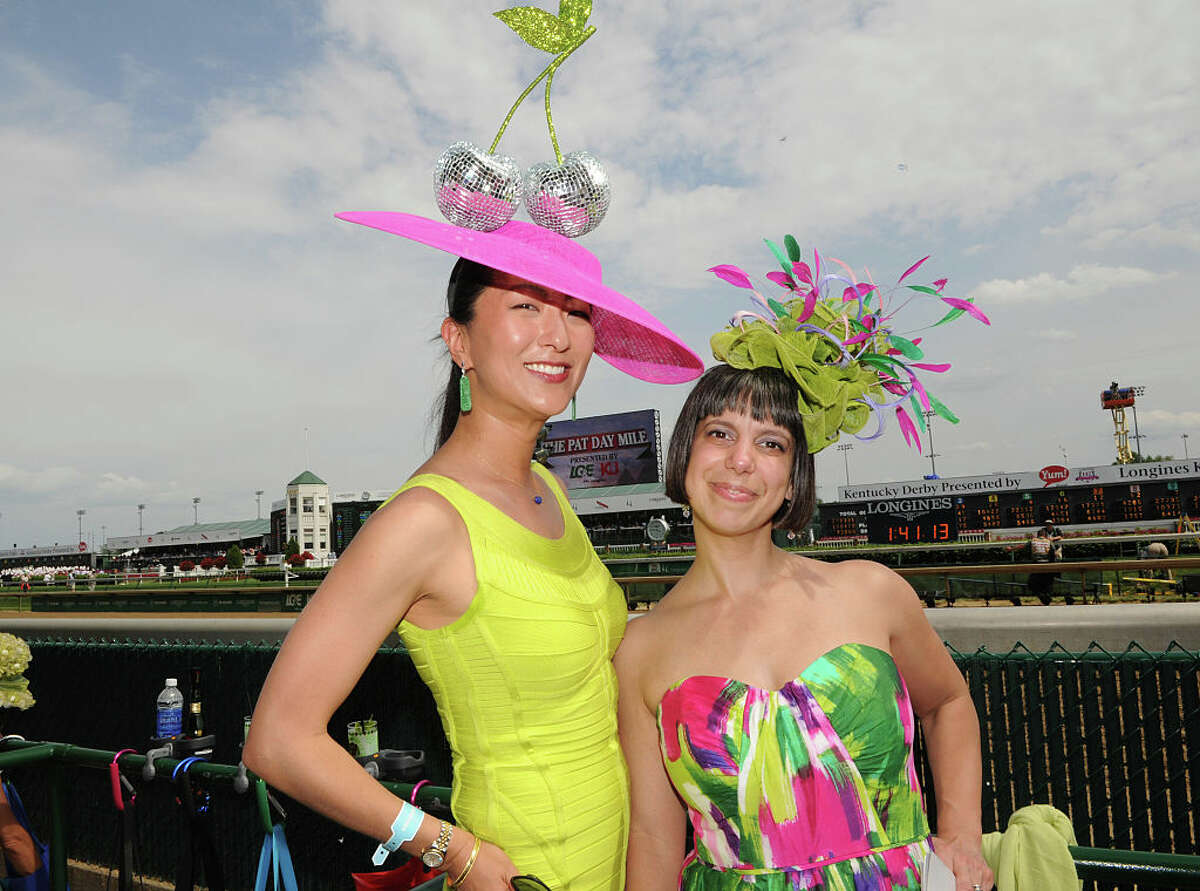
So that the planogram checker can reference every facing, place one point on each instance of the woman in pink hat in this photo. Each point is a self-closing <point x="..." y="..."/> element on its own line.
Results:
<point x="493" y="585"/>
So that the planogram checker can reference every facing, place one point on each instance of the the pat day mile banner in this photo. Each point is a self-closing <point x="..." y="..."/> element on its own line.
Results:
<point x="605" y="450"/>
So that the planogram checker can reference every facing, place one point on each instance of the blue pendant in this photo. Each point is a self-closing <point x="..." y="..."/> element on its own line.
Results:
<point x="537" y="499"/>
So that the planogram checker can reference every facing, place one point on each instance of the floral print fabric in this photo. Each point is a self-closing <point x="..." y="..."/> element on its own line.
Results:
<point x="812" y="785"/>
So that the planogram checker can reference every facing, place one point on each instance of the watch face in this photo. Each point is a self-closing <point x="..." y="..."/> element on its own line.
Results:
<point x="433" y="859"/>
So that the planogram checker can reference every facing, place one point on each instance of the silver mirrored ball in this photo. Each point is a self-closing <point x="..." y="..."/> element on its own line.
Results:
<point x="476" y="190"/>
<point x="570" y="198"/>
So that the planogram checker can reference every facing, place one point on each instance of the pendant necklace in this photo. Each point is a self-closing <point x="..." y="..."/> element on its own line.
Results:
<point x="537" y="499"/>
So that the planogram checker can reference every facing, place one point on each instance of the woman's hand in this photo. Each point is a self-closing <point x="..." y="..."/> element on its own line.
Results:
<point x="965" y="859"/>
<point x="491" y="871"/>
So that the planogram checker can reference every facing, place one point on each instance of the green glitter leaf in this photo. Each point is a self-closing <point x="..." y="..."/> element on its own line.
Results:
<point x="573" y="16"/>
<point x="793" y="248"/>
<point x="538" y="28"/>
<point x="906" y="346"/>
<point x="780" y="310"/>
<point x="923" y="289"/>
<point x="942" y="410"/>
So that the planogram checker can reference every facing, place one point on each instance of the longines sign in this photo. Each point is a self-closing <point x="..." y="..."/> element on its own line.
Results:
<point x="909" y="508"/>
<point x="1053" y="475"/>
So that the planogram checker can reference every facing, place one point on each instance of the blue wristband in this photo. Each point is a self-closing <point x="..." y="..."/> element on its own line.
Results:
<point x="404" y="828"/>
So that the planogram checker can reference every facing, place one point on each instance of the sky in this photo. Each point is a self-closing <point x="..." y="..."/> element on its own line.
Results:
<point x="181" y="316"/>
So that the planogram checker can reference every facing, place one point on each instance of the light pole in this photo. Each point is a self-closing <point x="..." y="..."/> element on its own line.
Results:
<point x="103" y="536"/>
<point x="196" y="511"/>
<point x="258" y="494"/>
<point x="141" y="507"/>
<point x="932" y="454"/>
<point x="80" y="513"/>
<point x="1138" y="393"/>
<point x="845" y="448"/>
<point x="1184" y="437"/>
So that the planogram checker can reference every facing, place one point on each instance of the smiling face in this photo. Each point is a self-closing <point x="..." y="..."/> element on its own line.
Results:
<point x="748" y="419"/>
<point x="527" y="347"/>
<point x="740" y="471"/>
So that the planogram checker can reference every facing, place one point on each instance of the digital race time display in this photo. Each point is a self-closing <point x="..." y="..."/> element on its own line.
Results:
<point x="927" y="527"/>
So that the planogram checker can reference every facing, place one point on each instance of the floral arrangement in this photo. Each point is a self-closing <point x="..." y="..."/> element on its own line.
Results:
<point x="843" y="350"/>
<point x="14" y="659"/>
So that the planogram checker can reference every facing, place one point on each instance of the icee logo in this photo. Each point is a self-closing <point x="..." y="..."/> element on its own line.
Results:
<point x="1053" y="473"/>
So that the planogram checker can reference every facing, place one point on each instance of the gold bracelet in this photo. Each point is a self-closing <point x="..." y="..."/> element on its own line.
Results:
<point x="462" y="876"/>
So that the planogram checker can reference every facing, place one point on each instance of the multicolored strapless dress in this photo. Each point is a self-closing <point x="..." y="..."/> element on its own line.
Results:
<point x="809" y="786"/>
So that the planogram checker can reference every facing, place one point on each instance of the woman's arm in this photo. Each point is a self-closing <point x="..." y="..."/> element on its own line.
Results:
<point x="399" y="553"/>
<point x="657" y="821"/>
<point x="943" y="704"/>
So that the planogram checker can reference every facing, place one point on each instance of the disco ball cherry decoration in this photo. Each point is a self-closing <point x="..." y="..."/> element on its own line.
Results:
<point x="481" y="189"/>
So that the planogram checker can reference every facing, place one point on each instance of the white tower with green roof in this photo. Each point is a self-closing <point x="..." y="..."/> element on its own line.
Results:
<point x="308" y="513"/>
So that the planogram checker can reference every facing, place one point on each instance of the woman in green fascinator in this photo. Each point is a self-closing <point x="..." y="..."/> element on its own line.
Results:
<point x="772" y="699"/>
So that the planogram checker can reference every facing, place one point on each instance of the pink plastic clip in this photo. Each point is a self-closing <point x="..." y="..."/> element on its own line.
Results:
<point x="114" y="776"/>
<point x="413" y="799"/>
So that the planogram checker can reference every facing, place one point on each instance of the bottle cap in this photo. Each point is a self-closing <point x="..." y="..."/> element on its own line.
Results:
<point x="172" y="682"/>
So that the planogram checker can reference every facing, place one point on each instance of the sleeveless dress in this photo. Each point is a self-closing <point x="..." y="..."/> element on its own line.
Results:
<point x="809" y="786"/>
<point x="527" y="694"/>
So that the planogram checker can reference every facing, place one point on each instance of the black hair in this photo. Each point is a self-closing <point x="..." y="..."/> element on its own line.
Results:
<point x="467" y="281"/>
<point x="765" y="394"/>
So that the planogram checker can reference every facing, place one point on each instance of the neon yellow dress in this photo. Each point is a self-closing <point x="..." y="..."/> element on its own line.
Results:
<point x="526" y="690"/>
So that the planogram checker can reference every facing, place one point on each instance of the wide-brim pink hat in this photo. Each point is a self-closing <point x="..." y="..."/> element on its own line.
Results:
<point x="627" y="337"/>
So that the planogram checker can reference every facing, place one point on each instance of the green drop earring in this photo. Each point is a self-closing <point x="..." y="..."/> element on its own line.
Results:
<point x="464" y="392"/>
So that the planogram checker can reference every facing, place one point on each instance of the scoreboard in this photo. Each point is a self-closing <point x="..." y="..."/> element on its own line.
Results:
<point x="932" y="526"/>
<point x="903" y="521"/>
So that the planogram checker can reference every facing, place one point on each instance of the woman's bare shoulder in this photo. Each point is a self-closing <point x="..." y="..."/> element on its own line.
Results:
<point x="647" y="633"/>
<point x="876" y="587"/>
<point x="863" y="573"/>
<point x="417" y="519"/>
<point x="862" y="582"/>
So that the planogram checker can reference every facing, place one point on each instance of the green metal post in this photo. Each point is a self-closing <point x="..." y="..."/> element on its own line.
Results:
<point x="58" y="830"/>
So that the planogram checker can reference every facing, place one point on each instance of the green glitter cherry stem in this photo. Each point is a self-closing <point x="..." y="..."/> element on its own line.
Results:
<point x="550" y="121"/>
<point x="547" y="71"/>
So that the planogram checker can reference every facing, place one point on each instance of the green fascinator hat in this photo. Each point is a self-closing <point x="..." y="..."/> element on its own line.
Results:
<point x="837" y="339"/>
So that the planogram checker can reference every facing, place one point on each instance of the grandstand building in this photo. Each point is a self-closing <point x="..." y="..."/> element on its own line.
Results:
<point x="47" y="556"/>
<point x="193" y="542"/>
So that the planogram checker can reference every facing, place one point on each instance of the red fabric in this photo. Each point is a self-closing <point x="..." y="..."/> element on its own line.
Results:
<point x="409" y="875"/>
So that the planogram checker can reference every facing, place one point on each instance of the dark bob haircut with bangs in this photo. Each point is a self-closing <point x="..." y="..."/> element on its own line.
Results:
<point x="764" y="394"/>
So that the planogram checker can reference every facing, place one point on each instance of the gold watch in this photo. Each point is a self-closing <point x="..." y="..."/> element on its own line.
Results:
<point x="435" y="855"/>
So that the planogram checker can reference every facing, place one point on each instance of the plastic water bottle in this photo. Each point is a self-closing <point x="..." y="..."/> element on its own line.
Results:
<point x="170" y="710"/>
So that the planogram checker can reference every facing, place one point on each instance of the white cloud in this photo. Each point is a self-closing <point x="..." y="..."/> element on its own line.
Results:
<point x="1081" y="283"/>
<point x="1173" y="421"/>
<point x="1055" y="334"/>
<point x="115" y="484"/>
<point x="21" y="481"/>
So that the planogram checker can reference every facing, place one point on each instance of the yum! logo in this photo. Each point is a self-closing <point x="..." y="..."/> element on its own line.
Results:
<point x="1054" y="473"/>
